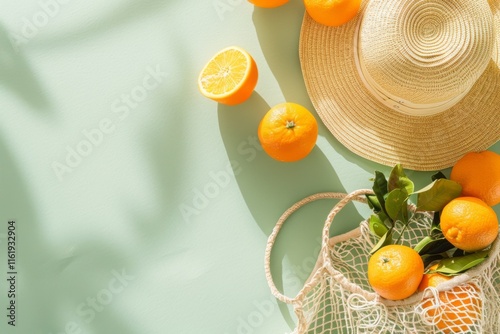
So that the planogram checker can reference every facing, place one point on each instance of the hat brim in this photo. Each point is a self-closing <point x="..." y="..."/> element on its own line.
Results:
<point x="376" y="132"/>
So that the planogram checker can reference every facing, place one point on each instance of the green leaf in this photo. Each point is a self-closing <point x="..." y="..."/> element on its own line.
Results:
<point x="373" y="203"/>
<point x="431" y="246"/>
<point x="377" y="226"/>
<point x="383" y="217"/>
<point x="396" y="205"/>
<point x="436" y="220"/>
<point x="457" y="265"/>
<point x="422" y="244"/>
<point x="380" y="189"/>
<point x="380" y="183"/>
<point x="399" y="180"/>
<point x="437" y="194"/>
<point x="428" y="259"/>
<point x="385" y="240"/>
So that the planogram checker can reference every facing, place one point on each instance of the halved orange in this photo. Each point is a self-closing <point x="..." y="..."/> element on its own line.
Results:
<point x="229" y="77"/>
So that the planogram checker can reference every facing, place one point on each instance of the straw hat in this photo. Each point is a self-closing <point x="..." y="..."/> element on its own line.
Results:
<point x="410" y="82"/>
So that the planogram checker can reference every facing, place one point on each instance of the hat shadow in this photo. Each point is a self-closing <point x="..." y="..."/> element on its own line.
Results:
<point x="274" y="28"/>
<point x="269" y="187"/>
<point x="278" y="31"/>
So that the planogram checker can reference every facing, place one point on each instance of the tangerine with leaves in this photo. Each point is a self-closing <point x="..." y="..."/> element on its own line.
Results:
<point x="455" y="310"/>
<point x="479" y="175"/>
<point x="332" y="12"/>
<point x="469" y="224"/>
<point x="395" y="271"/>
<point x="288" y="132"/>
<point x="229" y="77"/>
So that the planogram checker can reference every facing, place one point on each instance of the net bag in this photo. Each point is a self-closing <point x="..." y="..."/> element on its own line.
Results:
<point x="337" y="298"/>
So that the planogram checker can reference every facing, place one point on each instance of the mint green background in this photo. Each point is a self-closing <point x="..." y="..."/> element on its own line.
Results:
<point x="194" y="264"/>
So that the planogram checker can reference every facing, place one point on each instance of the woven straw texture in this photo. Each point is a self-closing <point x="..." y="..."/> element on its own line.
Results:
<point x="407" y="76"/>
<point x="422" y="53"/>
<point x="337" y="297"/>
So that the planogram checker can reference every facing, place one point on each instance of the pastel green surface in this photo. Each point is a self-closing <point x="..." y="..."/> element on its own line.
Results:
<point x="141" y="207"/>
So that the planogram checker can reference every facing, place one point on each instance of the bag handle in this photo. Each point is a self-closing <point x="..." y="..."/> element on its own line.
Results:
<point x="357" y="195"/>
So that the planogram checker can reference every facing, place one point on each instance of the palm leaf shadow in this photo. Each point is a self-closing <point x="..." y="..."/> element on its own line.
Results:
<point x="17" y="75"/>
<point x="48" y="278"/>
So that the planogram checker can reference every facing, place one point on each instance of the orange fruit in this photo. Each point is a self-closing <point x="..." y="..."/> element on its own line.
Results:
<point x="332" y="12"/>
<point x="432" y="279"/>
<point x="268" y="3"/>
<point x="288" y="132"/>
<point x="229" y="77"/>
<point x="395" y="271"/>
<point x="479" y="175"/>
<point x="469" y="224"/>
<point x="457" y="309"/>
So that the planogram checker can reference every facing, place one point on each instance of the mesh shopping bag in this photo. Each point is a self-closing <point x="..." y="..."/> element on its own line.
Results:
<point x="337" y="297"/>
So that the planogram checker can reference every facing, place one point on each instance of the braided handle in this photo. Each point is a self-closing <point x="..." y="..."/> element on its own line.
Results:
<point x="344" y="199"/>
<point x="358" y="195"/>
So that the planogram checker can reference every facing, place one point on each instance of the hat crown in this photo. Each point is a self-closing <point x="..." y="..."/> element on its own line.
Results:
<point x="427" y="51"/>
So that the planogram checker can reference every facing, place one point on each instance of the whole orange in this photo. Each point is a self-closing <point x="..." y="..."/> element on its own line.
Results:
<point x="469" y="224"/>
<point x="479" y="175"/>
<point x="229" y="77"/>
<point x="332" y="12"/>
<point x="457" y="308"/>
<point x="432" y="279"/>
<point x="395" y="271"/>
<point x="268" y="3"/>
<point x="288" y="132"/>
